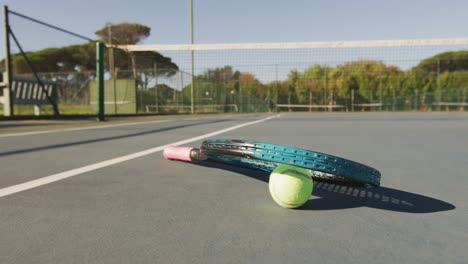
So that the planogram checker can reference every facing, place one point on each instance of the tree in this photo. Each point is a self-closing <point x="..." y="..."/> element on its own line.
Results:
<point x="316" y="79"/>
<point x="447" y="61"/>
<point x="123" y="33"/>
<point x="69" y="66"/>
<point x="144" y="65"/>
<point x="76" y="58"/>
<point x="294" y="85"/>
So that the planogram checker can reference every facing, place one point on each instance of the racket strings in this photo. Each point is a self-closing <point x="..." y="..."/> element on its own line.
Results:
<point x="331" y="178"/>
<point x="270" y="166"/>
<point x="236" y="149"/>
<point x="266" y="156"/>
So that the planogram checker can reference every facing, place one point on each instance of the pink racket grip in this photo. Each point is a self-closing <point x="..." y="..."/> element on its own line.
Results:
<point x="177" y="153"/>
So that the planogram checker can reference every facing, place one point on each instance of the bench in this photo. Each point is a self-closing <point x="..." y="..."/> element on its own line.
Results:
<point x="460" y="105"/>
<point x="28" y="91"/>
<point x="369" y="106"/>
<point x="328" y="107"/>
<point x="175" y="107"/>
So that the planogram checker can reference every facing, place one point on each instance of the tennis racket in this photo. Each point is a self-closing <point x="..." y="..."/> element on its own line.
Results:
<point x="267" y="156"/>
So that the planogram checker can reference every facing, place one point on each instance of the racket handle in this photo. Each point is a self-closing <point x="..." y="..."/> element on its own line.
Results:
<point x="183" y="153"/>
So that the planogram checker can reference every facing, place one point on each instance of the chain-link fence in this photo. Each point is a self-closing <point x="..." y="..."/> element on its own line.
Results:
<point x="170" y="93"/>
<point x="392" y="75"/>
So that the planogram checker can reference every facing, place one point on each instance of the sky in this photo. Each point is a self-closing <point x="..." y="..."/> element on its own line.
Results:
<point x="220" y="21"/>
<point x="243" y="21"/>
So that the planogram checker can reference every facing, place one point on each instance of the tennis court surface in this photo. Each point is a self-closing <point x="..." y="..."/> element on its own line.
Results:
<point x="106" y="194"/>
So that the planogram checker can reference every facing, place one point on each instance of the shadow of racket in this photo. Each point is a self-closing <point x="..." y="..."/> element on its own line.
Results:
<point x="332" y="196"/>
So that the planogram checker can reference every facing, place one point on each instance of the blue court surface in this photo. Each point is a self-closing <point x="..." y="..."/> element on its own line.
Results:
<point x="105" y="194"/>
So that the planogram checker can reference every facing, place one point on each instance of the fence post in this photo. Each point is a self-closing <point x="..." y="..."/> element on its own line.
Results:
<point x="380" y="87"/>
<point x="464" y="97"/>
<point x="100" y="80"/>
<point x="8" y="95"/>
<point x="439" y="93"/>
<point x="416" y="92"/>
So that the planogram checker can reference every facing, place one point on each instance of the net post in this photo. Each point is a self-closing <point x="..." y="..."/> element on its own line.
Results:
<point x="439" y="93"/>
<point x="192" y="106"/>
<point x="8" y="109"/>
<point x="100" y="80"/>
<point x="156" y="94"/>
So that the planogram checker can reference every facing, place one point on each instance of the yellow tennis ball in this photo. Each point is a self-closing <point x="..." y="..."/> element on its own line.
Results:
<point x="290" y="186"/>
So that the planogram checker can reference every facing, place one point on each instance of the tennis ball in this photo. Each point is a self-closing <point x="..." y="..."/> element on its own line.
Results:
<point x="290" y="186"/>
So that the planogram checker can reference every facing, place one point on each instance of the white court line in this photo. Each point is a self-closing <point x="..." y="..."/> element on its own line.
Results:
<point x="92" y="127"/>
<point x="70" y="173"/>
<point x="80" y="128"/>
